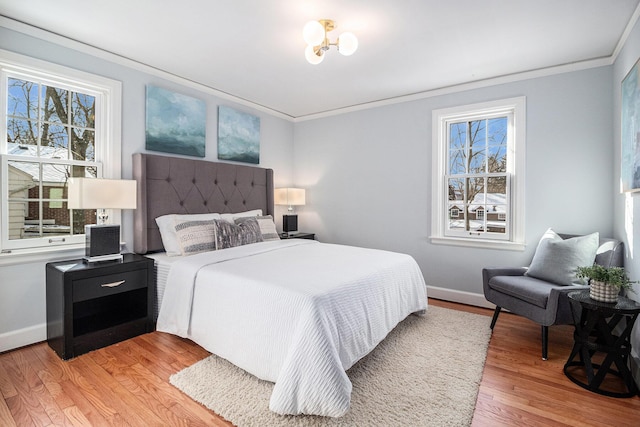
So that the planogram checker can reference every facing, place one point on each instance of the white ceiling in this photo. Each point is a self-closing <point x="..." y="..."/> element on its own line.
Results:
<point x="253" y="49"/>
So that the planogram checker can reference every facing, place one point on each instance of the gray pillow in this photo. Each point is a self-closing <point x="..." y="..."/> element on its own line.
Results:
<point x="556" y="260"/>
<point x="244" y="232"/>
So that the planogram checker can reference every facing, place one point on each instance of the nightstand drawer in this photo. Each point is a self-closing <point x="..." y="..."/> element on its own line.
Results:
<point x="100" y="286"/>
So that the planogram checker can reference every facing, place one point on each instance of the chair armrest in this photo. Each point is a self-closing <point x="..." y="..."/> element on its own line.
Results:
<point x="490" y="272"/>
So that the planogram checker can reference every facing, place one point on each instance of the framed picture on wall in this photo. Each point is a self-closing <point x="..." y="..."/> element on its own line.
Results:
<point x="630" y="132"/>
<point x="176" y="123"/>
<point x="238" y="136"/>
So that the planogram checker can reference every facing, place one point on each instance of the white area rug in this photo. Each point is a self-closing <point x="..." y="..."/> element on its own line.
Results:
<point x="425" y="373"/>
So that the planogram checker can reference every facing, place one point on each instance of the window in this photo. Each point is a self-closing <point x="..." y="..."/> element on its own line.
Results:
<point x="56" y="123"/>
<point x="478" y="173"/>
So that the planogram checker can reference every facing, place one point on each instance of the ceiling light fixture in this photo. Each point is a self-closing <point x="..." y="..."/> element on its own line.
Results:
<point x="315" y="35"/>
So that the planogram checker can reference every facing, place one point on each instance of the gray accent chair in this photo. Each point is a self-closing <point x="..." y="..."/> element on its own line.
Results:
<point x="543" y="302"/>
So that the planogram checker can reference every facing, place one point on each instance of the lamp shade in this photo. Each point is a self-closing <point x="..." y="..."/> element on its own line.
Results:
<point x="312" y="57"/>
<point x="313" y="33"/>
<point x="289" y="196"/>
<point x="97" y="193"/>
<point x="347" y="44"/>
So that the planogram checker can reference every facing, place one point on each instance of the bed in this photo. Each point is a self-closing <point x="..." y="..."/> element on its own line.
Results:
<point x="295" y="312"/>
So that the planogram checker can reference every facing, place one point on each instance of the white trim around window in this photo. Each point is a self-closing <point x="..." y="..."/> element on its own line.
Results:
<point x="108" y="151"/>
<point x="515" y="107"/>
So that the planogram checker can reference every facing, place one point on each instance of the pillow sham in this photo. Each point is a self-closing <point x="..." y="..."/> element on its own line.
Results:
<point x="167" y="226"/>
<point x="196" y="236"/>
<point x="556" y="259"/>
<point x="267" y="228"/>
<point x="230" y="235"/>
<point x="230" y="217"/>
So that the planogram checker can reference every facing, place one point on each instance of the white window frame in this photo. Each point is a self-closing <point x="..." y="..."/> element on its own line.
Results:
<point x="515" y="109"/>
<point x="108" y="94"/>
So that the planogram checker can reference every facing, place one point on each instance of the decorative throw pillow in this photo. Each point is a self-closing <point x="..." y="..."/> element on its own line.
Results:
<point x="267" y="228"/>
<point x="231" y="235"/>
<point x="167" y="226"/>
<point x="196" y="236"/>
<point x="556" y="260"/>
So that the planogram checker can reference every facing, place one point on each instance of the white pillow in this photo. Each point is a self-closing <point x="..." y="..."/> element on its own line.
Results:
<point x="167" y="226"/>
<point x="230" y="217"/>
<point x="556" y="260"/>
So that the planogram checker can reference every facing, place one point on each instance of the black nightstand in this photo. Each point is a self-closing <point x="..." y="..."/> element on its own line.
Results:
<point x="93" y="305"/>
<point x="310" y="236"/>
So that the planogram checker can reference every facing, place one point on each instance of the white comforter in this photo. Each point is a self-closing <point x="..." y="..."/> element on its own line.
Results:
<point x="295" y="312"/>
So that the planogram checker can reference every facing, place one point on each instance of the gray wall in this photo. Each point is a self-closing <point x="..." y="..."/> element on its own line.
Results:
<point x="627" y="205"/>
<point x="22" y="286"/>
<point x="368" y="173"/>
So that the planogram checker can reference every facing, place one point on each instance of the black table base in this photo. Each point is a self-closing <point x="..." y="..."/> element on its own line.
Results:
<point x="595" y="323"/>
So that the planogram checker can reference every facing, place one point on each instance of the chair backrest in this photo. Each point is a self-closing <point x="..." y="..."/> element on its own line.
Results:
<point x="610" y="251"/>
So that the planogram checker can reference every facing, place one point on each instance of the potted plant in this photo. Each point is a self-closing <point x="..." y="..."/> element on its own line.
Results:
<point x="605" y="282"/>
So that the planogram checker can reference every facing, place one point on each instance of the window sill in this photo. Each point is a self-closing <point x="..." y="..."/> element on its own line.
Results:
<point x="24" y="256"/>
<point x="478" y="243"/>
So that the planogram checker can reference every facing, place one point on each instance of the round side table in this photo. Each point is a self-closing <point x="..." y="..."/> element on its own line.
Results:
<point x="594" y="333"/>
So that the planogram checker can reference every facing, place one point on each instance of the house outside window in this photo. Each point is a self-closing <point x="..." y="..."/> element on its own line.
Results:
<point x="478" y="156"/>
<point x="56" y="123"/>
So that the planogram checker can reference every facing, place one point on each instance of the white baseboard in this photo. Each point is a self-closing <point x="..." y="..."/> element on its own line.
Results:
<point x="22" y="337"/>
<point x="462" y="297"/>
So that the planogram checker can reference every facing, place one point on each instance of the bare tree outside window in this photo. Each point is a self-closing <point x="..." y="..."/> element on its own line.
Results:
<point x="50" y="136"/>
<point x="477" y="179"/>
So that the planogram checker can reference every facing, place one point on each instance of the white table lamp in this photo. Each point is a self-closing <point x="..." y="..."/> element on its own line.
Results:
<point x="102" y="240"/>
<point x="290" y="197"/>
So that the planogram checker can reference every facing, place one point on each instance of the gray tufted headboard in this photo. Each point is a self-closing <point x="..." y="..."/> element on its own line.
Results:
<point x="173" y="185"/>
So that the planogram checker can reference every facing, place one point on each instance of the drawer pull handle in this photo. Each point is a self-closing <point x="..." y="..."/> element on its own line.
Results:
<point x="113" y="284"/>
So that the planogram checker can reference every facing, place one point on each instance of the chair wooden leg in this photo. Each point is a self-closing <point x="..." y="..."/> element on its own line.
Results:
<point x="545" y="341"/>
<point x="495" y="316"/>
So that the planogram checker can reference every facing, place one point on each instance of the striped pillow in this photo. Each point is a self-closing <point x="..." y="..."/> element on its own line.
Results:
<point x="196" y="236"/>
<point x="267" y="228"/>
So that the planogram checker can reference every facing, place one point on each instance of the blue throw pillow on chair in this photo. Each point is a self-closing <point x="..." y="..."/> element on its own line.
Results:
<point x="556" y="259"/>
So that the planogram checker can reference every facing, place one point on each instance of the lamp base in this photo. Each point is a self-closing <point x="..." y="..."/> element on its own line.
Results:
<point x="101" y="258"/>
<point x="102" y="243"/>
<point x="289" y="223"/>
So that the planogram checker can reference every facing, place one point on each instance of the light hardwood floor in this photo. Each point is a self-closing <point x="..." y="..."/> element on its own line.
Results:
<point x="128" y="384"/>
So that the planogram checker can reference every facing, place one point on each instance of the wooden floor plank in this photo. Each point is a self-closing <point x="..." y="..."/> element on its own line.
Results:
<point x="6" y="418"/>
<point x="28" y="387"/>
<point x="128" y="384"/>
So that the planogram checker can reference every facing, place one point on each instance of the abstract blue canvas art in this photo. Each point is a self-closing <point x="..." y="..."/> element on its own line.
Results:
<point x="630" y="132"/>
<point x="238" y="136"/>
<point x="176" y="123"/>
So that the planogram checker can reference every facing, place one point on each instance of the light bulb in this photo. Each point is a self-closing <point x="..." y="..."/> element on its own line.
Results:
<point x="347" y="43"/>
<point x="311" y="56"/>
<point x="313" y="33"/>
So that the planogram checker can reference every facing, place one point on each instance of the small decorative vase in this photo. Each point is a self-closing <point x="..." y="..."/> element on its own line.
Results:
<point x="603" y="292"/>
